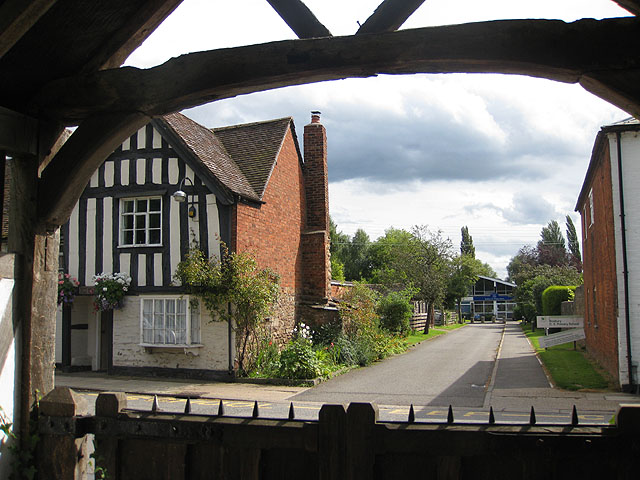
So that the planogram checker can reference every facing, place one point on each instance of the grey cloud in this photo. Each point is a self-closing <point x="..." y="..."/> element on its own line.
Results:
<point x="418" y="143"/>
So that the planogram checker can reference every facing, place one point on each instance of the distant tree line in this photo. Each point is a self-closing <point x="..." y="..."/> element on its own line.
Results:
<point x="417" y="260"/>
<point x="551" y="262"/>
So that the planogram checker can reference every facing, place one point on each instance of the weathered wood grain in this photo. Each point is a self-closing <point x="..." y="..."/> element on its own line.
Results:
<point x="17" y="17"/>
<point x="549" y="49"/>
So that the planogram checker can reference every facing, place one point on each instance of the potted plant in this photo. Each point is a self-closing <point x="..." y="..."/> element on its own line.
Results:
<point x="110" y="290"/>
<point x="67" y="288"/>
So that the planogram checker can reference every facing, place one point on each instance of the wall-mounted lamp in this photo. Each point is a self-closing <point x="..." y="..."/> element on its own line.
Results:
<point x="180" y="196"/>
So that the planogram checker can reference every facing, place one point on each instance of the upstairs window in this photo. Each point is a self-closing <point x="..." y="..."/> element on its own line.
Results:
<point x="591" y="219"/>
<point x="141" y="222"/>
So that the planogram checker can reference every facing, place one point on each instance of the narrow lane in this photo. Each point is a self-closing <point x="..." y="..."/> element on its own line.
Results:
<point x="452" y="369"/>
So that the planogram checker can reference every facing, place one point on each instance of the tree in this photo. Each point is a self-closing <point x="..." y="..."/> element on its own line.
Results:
<point x="233" y="289"/>
<point x="338" y="248"/>
<point x="573" y="244"/>
<point x="526" y="258"/>
<point x="463" y="274"/>
<point x="466" y="244"/>
<point x="357" y="265"/>
<point x="427" y="265"/>
<point x="551" y="246"/>
<point x="385" y="253"/>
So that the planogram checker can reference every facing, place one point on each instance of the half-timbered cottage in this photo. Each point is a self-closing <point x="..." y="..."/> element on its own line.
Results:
<point x="246" y="185"/>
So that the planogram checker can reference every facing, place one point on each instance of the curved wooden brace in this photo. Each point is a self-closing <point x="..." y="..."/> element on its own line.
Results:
<point x="551" y="49"/>
<point x="65" y="178"/>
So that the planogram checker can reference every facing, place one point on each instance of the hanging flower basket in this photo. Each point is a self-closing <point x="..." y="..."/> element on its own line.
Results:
<point x="67" y="289"/>
<point x="110" y="290"/>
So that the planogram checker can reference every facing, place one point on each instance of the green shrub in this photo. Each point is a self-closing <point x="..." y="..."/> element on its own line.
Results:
<point x="395" y="312"/>
<point x="298" y="360"/>
<point x="267" y="361"/>
<point x="553" y="296"/>
<point x="327" y="334"/>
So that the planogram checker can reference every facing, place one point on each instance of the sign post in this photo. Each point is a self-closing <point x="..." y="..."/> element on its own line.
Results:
<point x="573" y="323"/>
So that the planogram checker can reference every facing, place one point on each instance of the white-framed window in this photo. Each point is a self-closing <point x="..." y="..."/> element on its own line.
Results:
<point x="141" y="222"/>
<point x="169" y="321"/>
<point x="591" y="219"/>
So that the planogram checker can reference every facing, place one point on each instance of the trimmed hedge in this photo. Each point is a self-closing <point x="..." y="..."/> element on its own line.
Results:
<point x="553" y="297"/>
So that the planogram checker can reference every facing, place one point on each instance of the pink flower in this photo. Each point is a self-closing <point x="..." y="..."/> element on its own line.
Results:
<point x="60" y="282"/>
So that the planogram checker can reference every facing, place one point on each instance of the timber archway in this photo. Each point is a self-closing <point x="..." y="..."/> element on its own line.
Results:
<point x="59" y="66"/>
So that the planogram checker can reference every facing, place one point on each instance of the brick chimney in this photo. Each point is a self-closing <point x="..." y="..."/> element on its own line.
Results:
<point x="317" y="264"/>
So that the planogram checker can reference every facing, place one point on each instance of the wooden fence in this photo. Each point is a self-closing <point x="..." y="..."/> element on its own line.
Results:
<point x="345" y="443"/>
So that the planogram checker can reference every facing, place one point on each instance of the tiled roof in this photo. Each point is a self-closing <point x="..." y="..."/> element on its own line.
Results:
<point x="212" y="153"/>
<point x="254" y="147"/>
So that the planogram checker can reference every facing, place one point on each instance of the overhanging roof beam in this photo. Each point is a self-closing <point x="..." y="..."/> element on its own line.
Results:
<point x="299" y="18"/>
<point x="389" y="16"/>
<point x="551" y="49"/>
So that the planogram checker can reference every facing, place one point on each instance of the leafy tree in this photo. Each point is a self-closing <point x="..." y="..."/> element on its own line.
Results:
<point x="357" y="265"/>
<point x="534" y="280"/>
<point x="233" y="289"/>
<point x="526" y="258"/>
<point x="427" y="265"/>
<point x="466" y="244"/>
<point x="573" y="244"/>
<point x="338" y="241"/>
<point x="463" y="274"/>
<point x="551" y="246"/>
<point x="384" y="255"/>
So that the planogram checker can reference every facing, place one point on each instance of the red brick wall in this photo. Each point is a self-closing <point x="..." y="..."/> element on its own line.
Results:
<point x="273" y="231"/>
<point x="317" y="275"/>
<point x="599" y="264"/>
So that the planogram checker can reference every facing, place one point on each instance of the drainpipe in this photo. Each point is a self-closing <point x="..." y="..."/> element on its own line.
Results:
<point x="625" y="273"/>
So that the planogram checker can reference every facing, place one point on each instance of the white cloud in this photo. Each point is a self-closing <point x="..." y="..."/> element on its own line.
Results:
<point x="501" y="154"/>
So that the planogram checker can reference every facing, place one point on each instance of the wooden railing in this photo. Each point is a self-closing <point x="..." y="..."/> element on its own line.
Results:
<point x="344" y="443"/>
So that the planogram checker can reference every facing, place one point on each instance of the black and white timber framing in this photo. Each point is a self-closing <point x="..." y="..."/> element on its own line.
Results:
<point x="145" y="165"/>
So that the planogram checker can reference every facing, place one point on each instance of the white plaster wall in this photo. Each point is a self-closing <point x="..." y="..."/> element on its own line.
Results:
<point x="58" y="346"/>
<point x="127" y="351"/>
<point x="630" y="147"/>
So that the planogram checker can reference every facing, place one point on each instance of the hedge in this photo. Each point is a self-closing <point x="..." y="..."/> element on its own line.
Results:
<point x="553" y="297"/>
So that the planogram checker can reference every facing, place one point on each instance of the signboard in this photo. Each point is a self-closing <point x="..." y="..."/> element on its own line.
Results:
<point x="492" y="296"/>
<point x="563" y="337"/>
<point x="559" y="321"/>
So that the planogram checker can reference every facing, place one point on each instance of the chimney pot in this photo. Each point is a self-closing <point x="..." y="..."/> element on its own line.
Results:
<point x="315" y="116"/>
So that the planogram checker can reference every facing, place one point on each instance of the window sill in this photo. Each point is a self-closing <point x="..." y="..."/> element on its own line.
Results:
<point x="192" y="349"/>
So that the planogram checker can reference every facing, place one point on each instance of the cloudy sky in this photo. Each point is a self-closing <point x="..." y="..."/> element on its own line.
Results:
<point x="501" y="154"/>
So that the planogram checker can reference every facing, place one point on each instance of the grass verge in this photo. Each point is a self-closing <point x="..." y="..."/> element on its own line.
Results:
<point x="418" y="336"/>
<point x="569" y="369"/>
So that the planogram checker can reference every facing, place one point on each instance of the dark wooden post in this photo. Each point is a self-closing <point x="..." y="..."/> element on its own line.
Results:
<point x="360" y="445"/>
<point x="109" y="405"/>
<point x="60" y="455"/>
<point x="332" y="429"/>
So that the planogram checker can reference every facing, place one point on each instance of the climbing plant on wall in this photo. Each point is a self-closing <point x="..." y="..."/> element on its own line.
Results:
<point x="233" y="289"/>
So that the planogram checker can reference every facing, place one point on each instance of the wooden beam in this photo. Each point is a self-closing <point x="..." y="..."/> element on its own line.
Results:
<point x="299" y="18"/>
<point x="632" y="6"/>
<point x="17" y="17"/>
<point x="549" y="49"/>
<point x="18" y="133"/>
<point x="124" y="41"/>
<point x="65" y="178"/>
<point x="389" y="16"/>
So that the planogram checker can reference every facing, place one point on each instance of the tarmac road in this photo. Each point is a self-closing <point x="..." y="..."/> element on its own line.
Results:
<point x="453" y="369"/>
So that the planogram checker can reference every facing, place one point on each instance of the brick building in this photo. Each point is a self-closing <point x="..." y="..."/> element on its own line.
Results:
<point x="247" y="185"/>
<point x="608" y="206"/>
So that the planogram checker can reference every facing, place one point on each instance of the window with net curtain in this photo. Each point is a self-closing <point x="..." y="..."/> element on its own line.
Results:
<point x="170" y="321"/>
